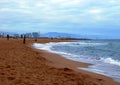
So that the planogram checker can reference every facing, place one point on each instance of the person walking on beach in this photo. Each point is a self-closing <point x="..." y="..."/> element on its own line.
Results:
<point x="8" y="37"/>
<point x="24" y="39"/>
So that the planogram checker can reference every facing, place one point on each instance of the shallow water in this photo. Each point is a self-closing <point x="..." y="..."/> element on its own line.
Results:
<point x="104" y="54"/>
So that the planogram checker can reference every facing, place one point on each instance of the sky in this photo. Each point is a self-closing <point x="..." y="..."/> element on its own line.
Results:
<point x="90" y="17"/>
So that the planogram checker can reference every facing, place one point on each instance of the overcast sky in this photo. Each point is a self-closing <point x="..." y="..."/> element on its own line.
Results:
<point x="101" y="17"/>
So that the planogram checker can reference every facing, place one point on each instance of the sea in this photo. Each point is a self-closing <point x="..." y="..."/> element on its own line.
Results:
<point x="104" y="55"/>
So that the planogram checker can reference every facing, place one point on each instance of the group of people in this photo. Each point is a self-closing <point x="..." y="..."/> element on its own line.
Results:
<point x="22" y="36"/>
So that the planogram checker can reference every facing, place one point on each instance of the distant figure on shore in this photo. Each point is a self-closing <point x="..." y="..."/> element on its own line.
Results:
<point x="35" y="39"/>
<point x="51" y="38"/>
<point x="24" y="39"/>
<point x="21" y="36"/>
<point x="8" y="37"/>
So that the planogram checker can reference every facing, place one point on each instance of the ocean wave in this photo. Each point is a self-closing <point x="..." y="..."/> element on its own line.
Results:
<point x="75" y="43"/>
<point x="42" y="46"/>
<point x="81" y="43"/>
<point x="48" y="47"/>
<point x="89" y="44"/>
<point x="111" y="61"/>
<point x="102" y="65"/>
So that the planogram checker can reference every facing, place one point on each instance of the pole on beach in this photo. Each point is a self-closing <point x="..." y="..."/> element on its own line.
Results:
<point x="24" y="39"/>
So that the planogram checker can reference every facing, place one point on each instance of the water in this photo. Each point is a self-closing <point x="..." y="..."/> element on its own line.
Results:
<point x="103" y="54"/>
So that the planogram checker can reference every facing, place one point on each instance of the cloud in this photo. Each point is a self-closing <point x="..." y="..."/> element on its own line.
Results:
<point x="15" y="10"/>
<point x="81" y="14"/>
<point x="95" y="11"/>
<point x="40" y="4"/>
<point x="72" y="2"/>
<point x="58" y="1"/>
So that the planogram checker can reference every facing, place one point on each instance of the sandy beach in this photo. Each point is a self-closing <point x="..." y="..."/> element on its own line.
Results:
<point x="21" y="64"/>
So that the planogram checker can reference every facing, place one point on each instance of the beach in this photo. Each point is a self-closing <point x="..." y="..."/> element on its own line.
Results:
<point x="21" y="64"/>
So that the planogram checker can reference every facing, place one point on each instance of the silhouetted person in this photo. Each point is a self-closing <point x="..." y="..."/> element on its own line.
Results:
<point x="35" y="39"/>
<point x="24" y="39"/>
<point x="51" y="38"/>
<point x="8" y="37"/>
<point x="21" y="36"/>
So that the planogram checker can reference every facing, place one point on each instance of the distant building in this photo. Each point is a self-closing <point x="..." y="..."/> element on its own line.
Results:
<point x="36" y="34"/>
<point x="29" y="35"/>
<point x="16" y="35"/>
<point x="2" y="34"/>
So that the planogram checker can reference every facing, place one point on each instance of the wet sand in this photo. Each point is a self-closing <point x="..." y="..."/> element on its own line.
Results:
<point x="20" y="64"/>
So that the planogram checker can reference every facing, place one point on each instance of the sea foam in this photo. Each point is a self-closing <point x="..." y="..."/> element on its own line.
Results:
<point x="48" y="47"/>
<point x="102" y="65"/>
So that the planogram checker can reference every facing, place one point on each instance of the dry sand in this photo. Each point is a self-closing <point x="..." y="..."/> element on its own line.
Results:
<point x="20" y="64"/>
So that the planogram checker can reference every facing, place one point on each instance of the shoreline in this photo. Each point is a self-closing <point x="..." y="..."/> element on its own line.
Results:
<point x="55" y="60"/>
<point x="21" y="64"/>
<point x="81" y="65"/>
<point x="59" y="61"/>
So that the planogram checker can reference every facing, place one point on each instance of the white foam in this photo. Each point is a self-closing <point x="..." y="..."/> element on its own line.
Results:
<point x="42" y="46"/>
<point x="75" y="43"/>
<point x="48" y="47"/>
<point x="90" y="44"/>
<point x="83" y="43"/>
<point x="94" y="70"/>
<point x="100" y="66"/>
<point x="111" y="61"/>
<point x="112" y="71"/>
